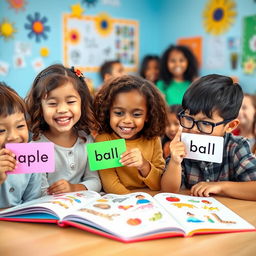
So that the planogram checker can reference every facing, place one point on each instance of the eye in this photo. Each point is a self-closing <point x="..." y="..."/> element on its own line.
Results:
<point x="206" y="123"/>
<point x="2" y="130"/>
<point x="51" y="104"/>
<point x="118" y="113"/>
<point x="188" y="118"/>
<point x="71" y="101"/>
<point x="21" y="126"/>
<point x="137" y="114"/>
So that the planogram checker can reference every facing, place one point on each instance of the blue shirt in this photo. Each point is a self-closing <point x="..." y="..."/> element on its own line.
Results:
<point x="20" y="188"/>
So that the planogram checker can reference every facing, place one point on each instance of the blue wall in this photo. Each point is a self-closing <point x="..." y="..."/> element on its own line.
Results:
<point x="161" y="22"/>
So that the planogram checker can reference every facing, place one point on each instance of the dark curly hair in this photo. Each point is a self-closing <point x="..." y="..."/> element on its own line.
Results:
<point x="192" y="70"/>
<point x="49" y="79"/>
<point x="156" y="106"/>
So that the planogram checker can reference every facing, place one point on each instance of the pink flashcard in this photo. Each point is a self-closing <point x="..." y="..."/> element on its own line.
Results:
<point x="33" y="157"/>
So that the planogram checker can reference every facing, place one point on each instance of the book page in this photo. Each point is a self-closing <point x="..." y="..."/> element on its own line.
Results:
<point x="57" y="205"/>
<point x="126" y="216"/>
<point x="201" y="213"/>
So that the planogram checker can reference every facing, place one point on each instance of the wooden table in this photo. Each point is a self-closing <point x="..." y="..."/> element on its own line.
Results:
<point x="48" y="239"/>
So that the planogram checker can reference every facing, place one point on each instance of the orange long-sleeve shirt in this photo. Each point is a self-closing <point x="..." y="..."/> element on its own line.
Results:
<point x="122" y="180"/>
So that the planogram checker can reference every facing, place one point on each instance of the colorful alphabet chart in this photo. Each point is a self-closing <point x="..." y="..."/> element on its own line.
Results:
<point x="106" y="154"/>
<point x="89" y="41"/>
<point x="33" y="157"/>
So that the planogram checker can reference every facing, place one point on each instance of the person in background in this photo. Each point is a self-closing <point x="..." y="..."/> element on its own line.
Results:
<point x="150" y="68"/>
<point x="178" y="69"/>
<point x="211" y="106"/>
<point x="247" y="118"/>
<point x="111" y="69"/>
<point x="15" y="189"/>
<point x="171" y="128"/>
<point x="60" y="107"/>
<point x="132" y="108"/>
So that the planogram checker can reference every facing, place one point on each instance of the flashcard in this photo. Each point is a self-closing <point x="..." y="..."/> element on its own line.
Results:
<point x="106" y="154"/>
<point x="33" y="157"/>
<point x="203" y="147"/>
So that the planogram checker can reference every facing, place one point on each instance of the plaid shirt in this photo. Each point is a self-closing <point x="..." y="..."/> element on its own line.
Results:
<point x="238" y="164"/>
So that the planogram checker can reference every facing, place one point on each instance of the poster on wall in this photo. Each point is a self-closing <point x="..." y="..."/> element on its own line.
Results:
<point x="195" y="45"/>
<point x="249" y="45"/>
<point x="88" y="41"/>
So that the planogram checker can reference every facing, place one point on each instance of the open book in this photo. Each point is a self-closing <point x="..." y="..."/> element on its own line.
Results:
<point x="131" y="217"/>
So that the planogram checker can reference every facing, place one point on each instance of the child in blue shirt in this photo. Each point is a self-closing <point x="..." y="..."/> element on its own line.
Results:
<point x="14" y="188"/>
<point x="211" y="106"/>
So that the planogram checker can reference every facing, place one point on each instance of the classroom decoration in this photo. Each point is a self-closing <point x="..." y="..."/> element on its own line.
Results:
<point x="218" y="16"/>
<point x="249" y="45"/>
<point x="103" y="24"/>
<point x="89" y="3"/>
<point x="44" y="52"/>
<point x="37" y="26"/>
<point x="7" y="29"/>
<point x="91" y="40"/>
<point x="76" y="10"/>
<point x="17" y="4"/>
<point x="4" y="68"/>
<point x="19" y="61"/>
<point x="194" y="44"/>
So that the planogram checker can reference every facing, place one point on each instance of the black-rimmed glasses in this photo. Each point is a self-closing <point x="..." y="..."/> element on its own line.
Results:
<point x="206" y="127"/>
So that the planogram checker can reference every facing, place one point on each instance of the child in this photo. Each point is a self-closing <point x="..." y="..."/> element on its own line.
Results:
<point x="247" y="117"/>
<point x="59" y="104"/>
<point x="111" y="69"/>
<point x="132" y="108"/>
<point x="171" y="128"/>
<point x="211" y="106"/>
<point x="150" y="68"/>
<point x="178" y="69"/>
<point x="14" y="188"/>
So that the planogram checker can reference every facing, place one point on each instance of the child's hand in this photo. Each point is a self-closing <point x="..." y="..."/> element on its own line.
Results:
<point x="7" y="163"/>
<point x="134" y="158"/>
<point x="206" y="188"/>
<point x="177" y="148"/>
<point x="60" y="186"/>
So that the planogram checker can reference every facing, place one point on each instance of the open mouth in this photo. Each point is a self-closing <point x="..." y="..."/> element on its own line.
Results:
<point x="63" y="120"/>
<point x="126" y="130"/>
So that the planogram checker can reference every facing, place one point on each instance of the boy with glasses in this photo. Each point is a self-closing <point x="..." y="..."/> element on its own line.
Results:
<point x="211" y="106"/>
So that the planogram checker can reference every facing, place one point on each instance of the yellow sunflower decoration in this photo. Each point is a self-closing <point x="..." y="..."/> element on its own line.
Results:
<point x="7" y="29"/>
<point x="218" y="16"/>
<point x="104" y="24"/>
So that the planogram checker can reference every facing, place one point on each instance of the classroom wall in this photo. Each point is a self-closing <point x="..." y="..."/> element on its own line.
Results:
<point x="161" y="22"/>
<point x="183" y="18"/>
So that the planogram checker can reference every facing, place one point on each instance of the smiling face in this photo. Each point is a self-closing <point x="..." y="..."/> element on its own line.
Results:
<point x="62" y="109"/>
<point x="128" y="114"/>
<point x="247" y="112"/>
<point x="13" y="129"/>
<point x="177" y="64"/>
<point x="173" y="126"/>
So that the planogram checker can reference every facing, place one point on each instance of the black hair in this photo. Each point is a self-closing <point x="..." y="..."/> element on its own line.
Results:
<point x="192" y="70"/>
<point x="145" y="62"/>
<point x="106" y="68"/>
<point x="213" y="93"/>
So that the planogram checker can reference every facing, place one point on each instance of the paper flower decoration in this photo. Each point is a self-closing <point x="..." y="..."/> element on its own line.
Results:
<point x="74" y="36"/>
<point x="44" y="52"/>
<point x="104" y="25"/>
<point x="76" y="10"/>
<point x="218" y="16"/>
<point x="89" y="2"/>
<point x="17" y="4"/>
<point x="249" y="66"/>
<point x="7" y="29"/>
<point x="37" y="27"/>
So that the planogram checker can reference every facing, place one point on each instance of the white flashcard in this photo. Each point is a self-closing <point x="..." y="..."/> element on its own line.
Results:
<point x="203" y="147"/>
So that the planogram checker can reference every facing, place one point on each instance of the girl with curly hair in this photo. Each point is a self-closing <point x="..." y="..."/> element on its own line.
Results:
<point x="60" y="108"/>
<point x="132" y="108"/>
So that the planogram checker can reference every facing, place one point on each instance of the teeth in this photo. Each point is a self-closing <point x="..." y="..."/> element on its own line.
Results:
<point x="62" y="120"/>
<point x="126" y="129"/>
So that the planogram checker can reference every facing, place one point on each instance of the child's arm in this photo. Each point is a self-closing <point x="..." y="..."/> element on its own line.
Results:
<point x="242" y="190"/>
<point x="171" y="179"/>
<point x="7" y="163"/>
<point x="111" y="182"/>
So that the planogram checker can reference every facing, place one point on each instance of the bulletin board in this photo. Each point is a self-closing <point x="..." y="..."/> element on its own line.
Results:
<point x="87" y="44"/>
